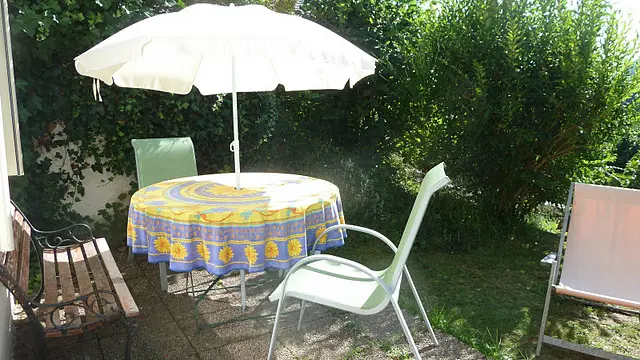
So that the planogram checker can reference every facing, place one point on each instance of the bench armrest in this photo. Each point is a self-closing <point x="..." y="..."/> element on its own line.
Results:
<point x="86" y="302"/>
<point x="549" y="259"/>
<point x="69" y="236"/>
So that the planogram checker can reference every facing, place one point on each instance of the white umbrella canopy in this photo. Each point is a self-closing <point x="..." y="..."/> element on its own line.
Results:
<point x="222" y="49"/>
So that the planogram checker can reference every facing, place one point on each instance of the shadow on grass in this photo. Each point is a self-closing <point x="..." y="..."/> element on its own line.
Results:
<point x="492" y="298"/>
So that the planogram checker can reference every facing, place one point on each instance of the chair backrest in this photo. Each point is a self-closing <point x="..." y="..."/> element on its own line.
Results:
<point x="435" y="179"/>
<point x="163" y="159"/>
<point x="603" y="242"/>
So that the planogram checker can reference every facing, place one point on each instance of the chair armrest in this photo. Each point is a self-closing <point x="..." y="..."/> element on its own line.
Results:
<point x="68" y="236"/>
<point x="358" y="229"/>
<point x="549" y="259"/>
<point x="319" y="257"/>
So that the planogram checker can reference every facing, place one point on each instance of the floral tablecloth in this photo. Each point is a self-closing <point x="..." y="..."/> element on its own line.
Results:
<point x="204" y="222"/>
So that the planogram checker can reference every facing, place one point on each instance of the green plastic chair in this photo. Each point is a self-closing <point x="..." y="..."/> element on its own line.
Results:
<point x="347" y="285"/>
<point x="159" y="160"/>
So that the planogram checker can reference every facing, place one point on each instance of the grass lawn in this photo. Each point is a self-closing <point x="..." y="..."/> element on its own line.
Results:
<point x="493" y="300"/>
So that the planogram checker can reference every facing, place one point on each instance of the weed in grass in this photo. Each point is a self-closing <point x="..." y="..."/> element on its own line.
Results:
<point x="355" y="352"/>
<point x="390" y="346"/>
<point x="353" y="326"/>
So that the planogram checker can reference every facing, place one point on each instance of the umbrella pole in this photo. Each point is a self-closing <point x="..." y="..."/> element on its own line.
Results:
<point x="236" y="141"/>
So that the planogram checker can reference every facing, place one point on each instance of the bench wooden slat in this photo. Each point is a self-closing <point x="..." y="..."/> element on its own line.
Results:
<point x="124" y="295"/>
<point x="67" y="274"/>
<point x="82" y="274"/>
<point x="13" y="256"/>
<point x="71" y="313"/>
<point x="50" y="282"/>
<point x="23" y="277"/>
<point x="99" y="276"/>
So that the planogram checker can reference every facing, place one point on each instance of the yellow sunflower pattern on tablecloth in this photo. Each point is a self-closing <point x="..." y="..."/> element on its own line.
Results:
<point x="131" y="231"/>
<point x="208" y="223"/>
<point x="251" y="253"/>
<point x="178" y="251"/>
<point x="162" y="245"/>
<point x="225" y="254"/>
<point x="203" y="251"/>
<point x="319" y="231"/>
<point x="294" y="247"/>
<point x="271" y="250"/>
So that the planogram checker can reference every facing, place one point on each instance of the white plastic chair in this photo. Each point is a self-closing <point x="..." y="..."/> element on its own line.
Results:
<point x="599" y="257"/>
<point x="347" y="285"/>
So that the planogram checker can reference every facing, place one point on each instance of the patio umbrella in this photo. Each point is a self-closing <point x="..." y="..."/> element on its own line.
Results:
<point x="222" y="49"/>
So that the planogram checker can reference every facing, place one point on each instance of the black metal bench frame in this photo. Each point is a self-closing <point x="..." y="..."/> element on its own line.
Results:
<point x="77" y="314"/>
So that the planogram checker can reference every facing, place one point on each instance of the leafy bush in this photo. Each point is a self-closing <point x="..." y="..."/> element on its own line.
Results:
<point x="521" y="97"/>
<point x="517" y="97"/>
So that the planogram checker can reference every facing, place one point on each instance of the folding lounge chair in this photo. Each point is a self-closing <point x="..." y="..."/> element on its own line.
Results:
<point x="347" y="285"/>
<point x="601" y="259"/>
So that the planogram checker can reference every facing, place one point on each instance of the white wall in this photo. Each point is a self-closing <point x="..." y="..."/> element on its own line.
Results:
<point x="8" y="99"/>
<point x="5" y="324"/>
<point x="99" y="189"/>
<point x="9" y="120"/>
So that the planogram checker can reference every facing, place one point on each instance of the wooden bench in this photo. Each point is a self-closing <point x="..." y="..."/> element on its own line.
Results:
<point x="81" y="289"/>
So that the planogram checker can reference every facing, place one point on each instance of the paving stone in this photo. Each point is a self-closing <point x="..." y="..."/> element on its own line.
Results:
<point x="323" y="338"/>
<point x="71" y="348"/>
<point x="253" y="349"/>
<point x="152" y="340"/>
<point x="140" y="288"/>
<point x="219" y="336"/>
<point x="167" y="330"/>
<point x="154" y="310"/>
<point x="181" y="306"/>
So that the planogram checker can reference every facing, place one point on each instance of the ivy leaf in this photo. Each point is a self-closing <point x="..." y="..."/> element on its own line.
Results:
<point x="29" y="22"/>
<point x="22" y="85"/>
<point x="36" y="101"/>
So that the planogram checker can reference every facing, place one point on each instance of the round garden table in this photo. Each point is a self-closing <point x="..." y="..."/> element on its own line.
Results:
<point x="204" y="222"/>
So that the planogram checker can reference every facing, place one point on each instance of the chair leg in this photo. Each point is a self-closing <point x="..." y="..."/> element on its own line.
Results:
<point x="40" y="344"/>
<point x="422" y="311"/>
<point x="272" y="345"/>
<point x="130" y="256"/>
<point x="85" y="348"/>
<point x="405" y="329"/>
<point x="545" y="312"/>
<point x="164" y="284"/>
<point x="302" y="306"/>
<point x="243" y="289"/>
<point x="132" y="326"/>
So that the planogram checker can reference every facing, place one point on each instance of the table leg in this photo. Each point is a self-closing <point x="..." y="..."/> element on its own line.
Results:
<point x="243" y="290"/>
<point x="203" y="295"/>
<point x="130" y="256"/>
<point x="164" y="284"/>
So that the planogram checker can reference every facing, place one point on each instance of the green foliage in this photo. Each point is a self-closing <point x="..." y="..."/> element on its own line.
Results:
<point x="519" y="97"/>
<point x="373" y="111"/>
<point x="47" y="35"/>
